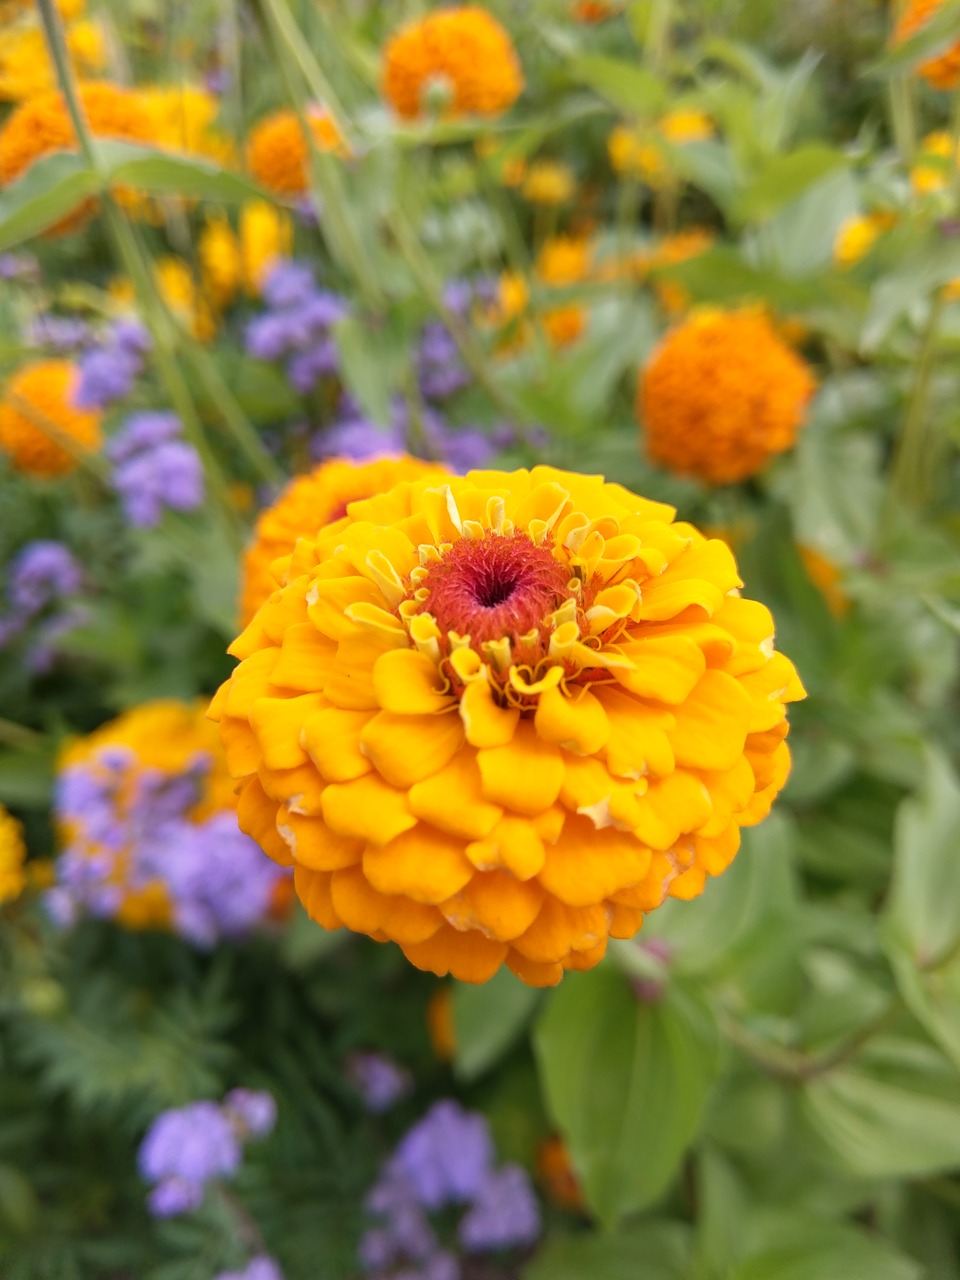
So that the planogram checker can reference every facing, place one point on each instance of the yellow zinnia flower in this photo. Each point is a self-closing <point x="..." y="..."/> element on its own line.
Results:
<point x="308" y="503"/>
<point x="721" y="395"/>
<point x="462" y="52"/>
<point x="642" y="154"/>
<point x="497" y="719"/>
<point x="37" y="413"/>
<point x="548" y="182"/>
<point x="182" y="119"/>
<point x="230" y="261"/>
<point x="13" y="853"/>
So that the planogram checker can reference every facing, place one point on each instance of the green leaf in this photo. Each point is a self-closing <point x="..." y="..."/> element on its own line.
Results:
<point x="939" y="31"/>
<point x="897" y="1115"/>
<point x="164" y="173"/>
<point x="913" y="279"/>
<point x="487" y="1021"/>
<point x="785" y="178"/>
<point x="50" y="190"/>
<point x="626" y="1083"/>
<point x="795" y="1247"/>
<point x="371" y="366"/>
<point x="923" y="909"/>
<point x="624" y="84"/>
<point x="932" y="997"/>
<point x="26" y="778"/>
<point x="650" y="1251"/>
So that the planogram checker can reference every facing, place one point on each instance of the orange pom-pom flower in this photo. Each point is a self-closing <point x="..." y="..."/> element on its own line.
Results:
<point x="463" y="55"/>
<point x="38" y="421"/>
<point x="722" y="394"/>
<point x="278" y="152"/>
<point x="497" y="719"/>
<point x="942" y="71"/>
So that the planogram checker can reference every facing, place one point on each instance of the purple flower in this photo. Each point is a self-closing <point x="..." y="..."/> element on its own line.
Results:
<point x="253" y="1111"/>
<point x="42" y="573"/>
<point x="446" y="1157"/>
<point x="141" y="432"/>
<point x="308" y="367"/>
<point x="106" y="375"/>
<point x="504" y="1213"/>
<point x="154" y="470"/>
<point x="62" y="333"/>
<point x="174" y="1196"/>
<point x="296" y="326"/>
<point x="259" y="1268"/>
<point x="19" y="266"/>
<point x="440" y="370"/>
<point x="184" y="1149"/>
<point x="289" y="284"/>
<point x="132" y="335"/>
<point x="380" y="1082"/>
<point x="270" y="336"/>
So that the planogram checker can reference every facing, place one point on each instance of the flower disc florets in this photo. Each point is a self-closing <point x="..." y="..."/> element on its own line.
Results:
<point x="500" y="718"/>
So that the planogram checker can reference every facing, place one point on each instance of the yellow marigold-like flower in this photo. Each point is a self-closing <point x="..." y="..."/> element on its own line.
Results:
<point x="937" y="156"/>
<point x="564" y="260"/>
<point x="307" y="504"/>
<point x="464" y="53"/>
<point x="230" y="261"/>
<point x="548" y="182"/>
<point x="87" y="47"/>
<point x="13" y="853"/>
<point x="942" y="71"/>
<point x="722" y="394"/>
<point x="642" y="154"/>
<point x="497" y="719"/>
<point x="42" y="125"/>
<point x="278" y="154"/>
<point x="857" y="236"/>
<point x="163" y="738"/>
<point x="827" y="578"/>
<point x="221" y="264"/>
<point x="38" y="420"/>
<point x="671" y="250"/>
<point x="182" y="118"/>
<point x="178" y="288"/>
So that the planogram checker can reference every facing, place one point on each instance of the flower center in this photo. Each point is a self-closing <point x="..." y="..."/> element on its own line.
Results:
<point x="495" y="586"/>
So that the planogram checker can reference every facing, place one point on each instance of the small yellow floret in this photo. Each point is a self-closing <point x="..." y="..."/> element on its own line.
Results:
<point x="13" y="852"/>
<point x="858" y="235"/>
<point x="548" y="182"/>
<point x="645" y="154"/>
<point x="462" y="51"/>
<point x="38" y="420"/>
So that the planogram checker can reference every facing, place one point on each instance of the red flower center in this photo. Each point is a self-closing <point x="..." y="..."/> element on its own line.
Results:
<point x="495" y="586"/>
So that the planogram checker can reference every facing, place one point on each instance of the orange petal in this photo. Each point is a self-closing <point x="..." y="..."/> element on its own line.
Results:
<point x="671" y="807"/>
<point x="701" y="575"/>
<point x="257" y="817"/>
<point x="689" y="884"/>
<point x="240" y="746"/>
<point x="314" y="845"/>
<point x="496" y="904"/>
<point x="367" y="809"/>
<point x="453" y="800"/>
<point x="577" y="722"/>
<point x="248" y="682"/>
<point x="469" y="957"/>
<point x="638" y="743"/>
<point x="514" y="844"/>
<point x="485" y="722"/>
<point x="665" y="667"/>
<point x="626" y="922"/>
<point x="313" y="890"/>
<point x="581" y="961"/>
<point x="277" y="722"/>
<point x="586" y="866"/>
<point x="526" y="775"/>
<point x="533" y="974"/>
<point x="711" y="726"/>
<point x="560" y="929"/>
<point x="409" y="683"/>
<point x="302" y="788"/>
<point x="331" y="738"/>
<point x="406" y="749"/>
<point x="306" y="658"/>
<point x="716" y="854"/>
<point x="423" y="864"/>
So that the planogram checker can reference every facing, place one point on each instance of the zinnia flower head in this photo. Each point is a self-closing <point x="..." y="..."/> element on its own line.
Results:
<point x="182" y="118"/>
<point x="462" y="51"/>
<point x="497" y="719"/>
<point x="37" y="412"/>
<point x="307" y="504"/>
<point x="548" y="182"/>
<point x="278" y="153"/>
<point x="857" y="236"/>
<point x="644" y="154"/>
<point x="25" y="65"/>
<point x="564" y="260"/>
<point x="13" y="852"/>
<point x="721" y="395"/>
<point x="942" y="70"/>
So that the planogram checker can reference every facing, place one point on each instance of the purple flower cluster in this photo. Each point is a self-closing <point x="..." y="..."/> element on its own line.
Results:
<point x="259" y="1268"/>
<point x="354" y="436"/>
<point x="62" y="334"/>
<point x="187" y="1147"/>
<point x="446" y="1160"/>
<point x="130" y="829"/>
<point x="296" y="325"/>
<point x="42" y="576"/>
<point x="109" y="369"/>
<point x="154" y="469"/>
<point x="379" y="1081"/>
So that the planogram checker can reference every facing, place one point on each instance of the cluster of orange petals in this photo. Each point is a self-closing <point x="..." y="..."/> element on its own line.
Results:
<point x="278" y="151"/>
<point x="36" y="408"/>
<point x="466" y="50"/>
<point x="942" y="71"/>
<point x="496" y="719"/>
<point x="721" y="395"/>
<point x="307" y="504"/>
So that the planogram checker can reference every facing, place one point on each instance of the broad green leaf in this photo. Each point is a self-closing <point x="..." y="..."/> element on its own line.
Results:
<point x="933" y="997"/>
<point x="26" y="778"/>
<point x="912" y="280"/>
<point x="938" y="32"/>
<point x="487" y="1021"/>
<point x="626" y="85"/>
<point x="785" y="178"/>
<point x="626" y="1083"/>
<point x="923" y="909"/>
<point x="369" y="367"/>
<point x="166" y="173"/>
<point x="50" y="190"/>
<point x="895" y="1115"/>
<point x="653" y="1250"/>
<point x="786" y="1246"/>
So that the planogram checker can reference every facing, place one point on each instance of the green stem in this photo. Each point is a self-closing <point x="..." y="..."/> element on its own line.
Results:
<point x="19" y="736"/>
<point x="909" y="471"/>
